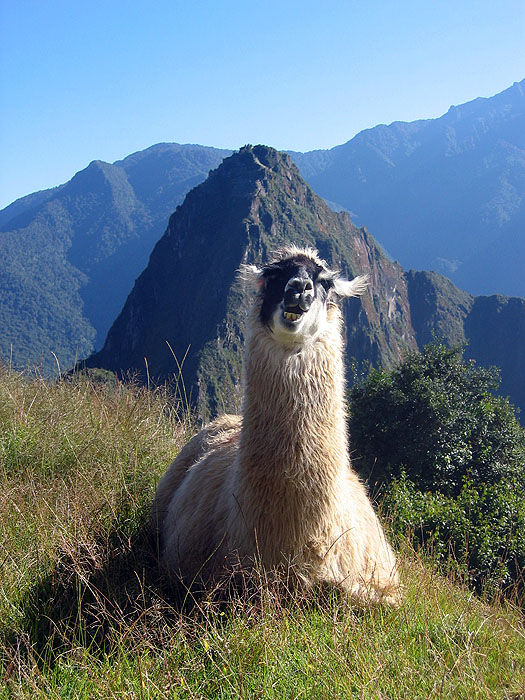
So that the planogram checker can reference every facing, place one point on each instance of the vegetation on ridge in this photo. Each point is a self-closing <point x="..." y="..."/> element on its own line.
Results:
<point x="70" y="255"/>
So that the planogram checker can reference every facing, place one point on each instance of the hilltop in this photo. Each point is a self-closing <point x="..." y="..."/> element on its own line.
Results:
<point x="70" y="255"/>
<point x="188" y="307"/>
<point x="85" y="613"/>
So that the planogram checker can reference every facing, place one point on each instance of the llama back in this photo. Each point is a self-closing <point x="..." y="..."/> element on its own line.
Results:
<point x="223" y="431"/>
<point x="195" y="545"/>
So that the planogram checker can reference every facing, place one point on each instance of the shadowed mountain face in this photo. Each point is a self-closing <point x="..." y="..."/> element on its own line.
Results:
<point x="189" y="305"/>
<point x="491" y="327"/>
<point x="446" y="194"/>
<point x="70" y="255"/>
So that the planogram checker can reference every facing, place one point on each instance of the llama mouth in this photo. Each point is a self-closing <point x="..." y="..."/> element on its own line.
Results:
<point x="293" y="316"/>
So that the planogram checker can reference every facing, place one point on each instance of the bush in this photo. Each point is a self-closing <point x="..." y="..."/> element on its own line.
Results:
<point x="481" y="532"/>
<point x="448" y="457"/>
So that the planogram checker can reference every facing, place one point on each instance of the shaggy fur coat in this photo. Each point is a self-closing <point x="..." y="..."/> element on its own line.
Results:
<point x="276" y="486"/>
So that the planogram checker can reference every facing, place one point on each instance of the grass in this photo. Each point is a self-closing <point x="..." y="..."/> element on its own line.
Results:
<point x="85" y="612"/>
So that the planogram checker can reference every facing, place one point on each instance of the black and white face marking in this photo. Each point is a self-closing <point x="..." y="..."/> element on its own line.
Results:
<point x="295" y="293"/>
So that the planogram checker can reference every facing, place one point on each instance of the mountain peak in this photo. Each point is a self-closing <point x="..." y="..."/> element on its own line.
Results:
<point x="252" y="161"/>
<point x="97" y="176"/>
<point x="247" y="173"/>
<point x="189" y="302"/>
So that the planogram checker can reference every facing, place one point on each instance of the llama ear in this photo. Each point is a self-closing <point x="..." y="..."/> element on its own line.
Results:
<point x="350" y="288"/>
<point x="252" y="275"/>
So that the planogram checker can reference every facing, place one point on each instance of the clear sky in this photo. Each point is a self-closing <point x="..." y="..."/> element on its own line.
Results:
<point x="92" y="80"/>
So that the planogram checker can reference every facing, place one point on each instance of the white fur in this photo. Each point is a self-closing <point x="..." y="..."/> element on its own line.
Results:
<point x="353" y="288"/>
<point x="277" y="485"/>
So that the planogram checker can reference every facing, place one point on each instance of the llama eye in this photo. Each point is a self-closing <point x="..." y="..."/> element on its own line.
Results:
<point x="326" y="284"/>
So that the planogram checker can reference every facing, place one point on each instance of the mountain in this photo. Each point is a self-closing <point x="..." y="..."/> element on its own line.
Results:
<point x="25" y="204"/>
<point x="188" y="308"/>
<point x="188" y="303"/>
<point x="491" y="327"/>
<point x="70" y="255"/>
<point x="446" y="194"/>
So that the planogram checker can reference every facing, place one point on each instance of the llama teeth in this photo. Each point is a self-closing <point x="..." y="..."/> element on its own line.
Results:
<point x="291" y="317"/>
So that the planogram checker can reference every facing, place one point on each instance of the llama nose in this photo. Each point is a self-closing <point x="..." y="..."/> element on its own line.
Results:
<point x="299" y="292"/>
<point x="299" y="284"/>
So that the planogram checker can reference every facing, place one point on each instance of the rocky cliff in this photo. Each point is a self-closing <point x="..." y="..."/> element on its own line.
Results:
<point x="492" y="328"/>
<point x="188" y="307"/>
<point x="184" y="318"/>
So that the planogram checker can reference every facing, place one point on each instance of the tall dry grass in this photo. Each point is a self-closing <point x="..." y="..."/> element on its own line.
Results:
<point x="79" y="460"/>
<point x="85" y="611"/>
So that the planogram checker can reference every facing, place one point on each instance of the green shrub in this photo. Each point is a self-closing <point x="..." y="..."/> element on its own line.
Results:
<point x="481" y="532"/>
<point x="448" y="457"/>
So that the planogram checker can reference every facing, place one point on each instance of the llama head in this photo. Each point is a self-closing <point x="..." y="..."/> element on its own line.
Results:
<point x="298" y="292"/>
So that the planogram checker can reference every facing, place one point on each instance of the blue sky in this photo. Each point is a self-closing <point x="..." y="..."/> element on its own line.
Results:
<point x="98" y="80"/>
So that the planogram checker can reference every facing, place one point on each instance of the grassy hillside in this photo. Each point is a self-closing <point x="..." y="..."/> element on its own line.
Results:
<point x="84" y="613"/>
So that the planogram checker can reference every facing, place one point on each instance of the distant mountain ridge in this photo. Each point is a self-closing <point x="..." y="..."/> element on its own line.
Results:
<point x="447" y="191"/>
<point x="188" y="302"/>
<point x="446" y="194"/>
<point x="69" y="255"/>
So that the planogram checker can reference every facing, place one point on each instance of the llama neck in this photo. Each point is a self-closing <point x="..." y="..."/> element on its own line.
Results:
<point x="294" y="419"/>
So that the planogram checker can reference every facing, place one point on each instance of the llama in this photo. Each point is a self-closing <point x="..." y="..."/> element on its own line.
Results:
<point x="276" y="485"/>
